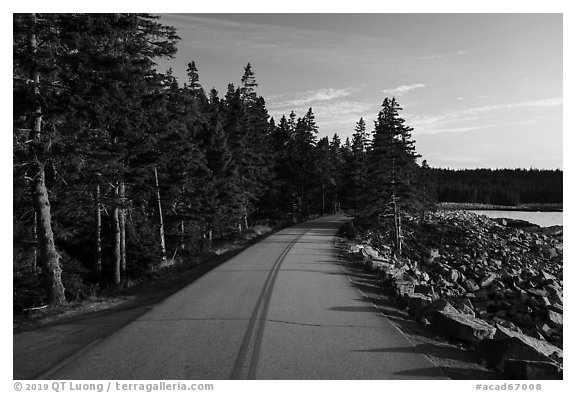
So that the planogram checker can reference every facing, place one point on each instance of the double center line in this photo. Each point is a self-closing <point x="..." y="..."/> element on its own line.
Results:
<point x="247" y="359"/>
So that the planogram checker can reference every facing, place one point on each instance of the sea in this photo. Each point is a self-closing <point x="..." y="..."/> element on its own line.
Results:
<point x="543" y="219"/>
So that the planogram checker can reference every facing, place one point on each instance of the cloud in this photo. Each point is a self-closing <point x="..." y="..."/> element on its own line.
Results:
<point x="475" y="118"/>
<point x="441" y="55"/>
<point x="311" y="96"/>
<point x="432" y="131"/>
<point x="403" y="89"/>
<point x="340" y="116"/>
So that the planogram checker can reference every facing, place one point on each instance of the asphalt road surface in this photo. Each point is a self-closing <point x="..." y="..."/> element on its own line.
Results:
<point x="281" y="309"/>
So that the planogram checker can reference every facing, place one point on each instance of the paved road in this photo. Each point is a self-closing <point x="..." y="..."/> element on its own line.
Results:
<point x="281" y="309"/>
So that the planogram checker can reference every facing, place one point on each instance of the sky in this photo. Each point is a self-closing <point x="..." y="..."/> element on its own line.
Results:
<point x="480" y="90"/>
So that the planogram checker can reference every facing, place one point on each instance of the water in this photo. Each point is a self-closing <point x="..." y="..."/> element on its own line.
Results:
<point x="544" y="219"/>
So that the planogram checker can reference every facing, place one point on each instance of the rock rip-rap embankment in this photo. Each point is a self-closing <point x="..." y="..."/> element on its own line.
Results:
<point x="496" y="284"/>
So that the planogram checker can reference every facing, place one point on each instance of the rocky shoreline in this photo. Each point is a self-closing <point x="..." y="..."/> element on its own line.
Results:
<point x="531" y="207"/>
<point x="495" y="284"/>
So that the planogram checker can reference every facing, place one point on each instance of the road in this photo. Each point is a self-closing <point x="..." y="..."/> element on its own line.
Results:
<point x="281" y="309"/>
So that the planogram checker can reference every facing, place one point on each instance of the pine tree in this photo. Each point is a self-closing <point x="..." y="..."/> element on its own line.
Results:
<point x="336" y="165"/>
<point x="248" y="84"/>
<point x="358" y="169"/>
<point x="36" y="86"/>
<point x="193" y="78"/>
<point x="392" y="168"/>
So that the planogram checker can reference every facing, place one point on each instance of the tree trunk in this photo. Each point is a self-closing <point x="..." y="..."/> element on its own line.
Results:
<point x="49" y="257"/>
<point x="182" y="243"/>
<point x="293" y="207"/>
<point x="117" y="246"/>
<point x="246" y="221"/>
<point x="35" y="238"/>
<point x="336" y="202"/>
<point x="161" y="220"/>
<point x="122" y="224"/>
<point x="97" y="231"/>
<point x="323" y="199"/>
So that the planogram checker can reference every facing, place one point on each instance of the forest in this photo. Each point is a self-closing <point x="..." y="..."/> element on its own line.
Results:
<point x="118" y="167"/>
<point x="497" y="186"/>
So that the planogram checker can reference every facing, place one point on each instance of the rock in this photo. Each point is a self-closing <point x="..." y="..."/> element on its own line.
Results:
<point x="417" y="303"/>
<point x="437" y="305"/>
<point x="546" y="330"/>
<point x="434" y="253"/>
<point x="508" y="344"/>
<point x="544" y="302"/>
<point x="471" y="285"/>
<point x="487" y="280"/>
<point x="461" y="326"/>
<point x="516" y="223"/>
<point x="555" y="318"/>
<point x="555" y="294"/>
<point x="404" y="287"/>
<point x="537" y="292"/>
<point x="454" y="275"/>
<point x="550" y="252"/>
<point x="530" y="369"/>
<point x="557" y="307"/>
<point x="384" y="266"/>
<point x="424" y="289"/>
<point x="370" y="252"/>
<point x="465" y="306"/>
<point x="355" y="249"/>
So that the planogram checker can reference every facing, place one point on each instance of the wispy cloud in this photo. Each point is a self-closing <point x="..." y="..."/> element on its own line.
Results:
<point x="475" y="118"/>
<point x="332" y="116"/>
<point x="403" y="89"/>
<point x="313" y="96"/>
<point x="440" y="55"/>
<point x="432" y="131"/>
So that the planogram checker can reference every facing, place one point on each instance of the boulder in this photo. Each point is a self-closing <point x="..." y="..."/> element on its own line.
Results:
<point x="557" y="307"/>
<point x="404" y="286"/>
<point x="555" y="294"/>
<point x="434" y="253"/>
<point x="454" y="275"/>
<point x="531" y="369"/>
<point x="379" y="265"/>
<point x="424" y="289"/>
<point x="471" y="285"/>
<point x="555" y="318"/>
<point x="355" y="249"/>
<point x="455" y="324"/>
<point x="417" y="303"/>
<point x="370" y="252"/>
<point x="510" y="345"/>
<point x="488" y="280"/>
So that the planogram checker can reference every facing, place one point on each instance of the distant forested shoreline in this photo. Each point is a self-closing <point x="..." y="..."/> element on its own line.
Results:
<point x="507" y="187"/>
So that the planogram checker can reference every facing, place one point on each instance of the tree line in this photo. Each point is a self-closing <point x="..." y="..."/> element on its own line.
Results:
<point x="497" y="186"/>
<point x="119" y="167"/>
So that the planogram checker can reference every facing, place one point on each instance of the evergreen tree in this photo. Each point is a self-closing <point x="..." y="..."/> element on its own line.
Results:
<point x="248" y="84"/>
<point x="193" y="78"/>
<point x="36" y="90"/>
<point x="392" y="168"/>
<point x="358" y="165"/>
